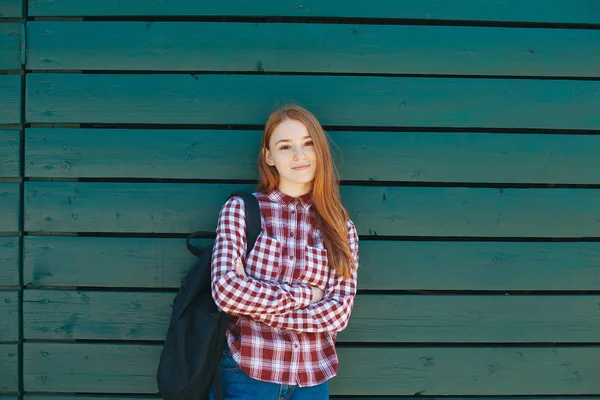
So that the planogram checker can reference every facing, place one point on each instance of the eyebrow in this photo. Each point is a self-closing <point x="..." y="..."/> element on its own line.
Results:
<point x="289" y="140"/>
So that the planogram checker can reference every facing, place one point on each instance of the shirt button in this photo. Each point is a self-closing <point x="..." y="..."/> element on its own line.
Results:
<point x="291" y="257"/>
<point x="296" y="345"/>
<point x="291" y="234"/>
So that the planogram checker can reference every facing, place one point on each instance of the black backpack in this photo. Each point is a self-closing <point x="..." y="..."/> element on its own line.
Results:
<point x="195" y="339"/>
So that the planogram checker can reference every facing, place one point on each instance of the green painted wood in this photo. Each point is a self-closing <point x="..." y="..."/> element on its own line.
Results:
<point x="9" y="357"/>
<point x="370" y="156"/>
<point x="56" y="367"/>
<point x="10" y="46"/>
<point x="9" y="315"/>
<point x="226" y="46"/>
<point x="10" y="144"/>
<point x="87" y="315"/>
<point x="9" y="261"/>
<point x="472" y="319"/>
<point x="10" y="99"/>
<point x="11" y="8"/>
<point x="382" y="211"/>
<point x="336" y="100"/>
<point x="385" y="265"/>
<point x="117" y="397"/>
<point x="9" y="207"/>
<point x="580" y="11"/>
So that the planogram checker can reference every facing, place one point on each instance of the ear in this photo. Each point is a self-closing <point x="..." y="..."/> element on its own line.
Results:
<point x="268" y="158"/>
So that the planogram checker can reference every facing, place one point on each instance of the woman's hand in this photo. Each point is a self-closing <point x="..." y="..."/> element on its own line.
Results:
<point x="317" y="294"/>
<point x="239" y="268"/>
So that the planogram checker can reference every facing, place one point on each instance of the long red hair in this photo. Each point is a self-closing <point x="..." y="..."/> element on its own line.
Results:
<point x="332" y="217"/>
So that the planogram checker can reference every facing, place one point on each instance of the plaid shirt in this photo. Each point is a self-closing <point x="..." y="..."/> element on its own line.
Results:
<point x="276" y="334"/>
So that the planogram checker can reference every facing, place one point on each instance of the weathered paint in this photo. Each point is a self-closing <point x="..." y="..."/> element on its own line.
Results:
<point x="11" y="8"/>
<point x="111" y="262"/>
<point x="10" y="144"/>
<point x="9" y="361"/>
<point x="9" y="207"/>
<point x="329" y="48"/>
<point x="380" y="211"/>
<point x="401" y="370"/>
<point x="9" y="315"/>
<point x="579" y="11"/>
<point x="10" y="45"/>
<point x="9" y="261"/>
<point x="337" y="100"/>
<point x="452" y="157"/>
<point x="131" y="316"/>
<point x="10" y="99"/>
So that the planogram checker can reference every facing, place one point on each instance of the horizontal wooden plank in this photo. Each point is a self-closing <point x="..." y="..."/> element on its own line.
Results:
<point x="9" y="358"/>
<point x="580" y="11"/>
<point x="9" y="153"/>
<point x="9" y="315"/>
<point x="11" y="8"/>
<point x="381" y="211"/>
<point x="87" y="315"/>
<point x="385" y="265"/>
<point x="55" y="367"/>
<point x="10" y="45"/>
<point x="9" y="261"/>
<point x="370" y="156"/>
<point x="226" y="46"/>
<point x="336" y="100"/>
<point x="10" y="99"/>
<point x="9" y="207"/>
<point x="67" y="396"/>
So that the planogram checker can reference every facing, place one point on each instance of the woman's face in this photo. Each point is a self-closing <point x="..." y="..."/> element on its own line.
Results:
<point x="292" y="153"/>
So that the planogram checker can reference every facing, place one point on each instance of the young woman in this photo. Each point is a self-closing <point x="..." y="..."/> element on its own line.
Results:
<point x="296" y="289"/>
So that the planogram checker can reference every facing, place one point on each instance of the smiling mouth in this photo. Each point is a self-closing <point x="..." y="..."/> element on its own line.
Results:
<point x="302" y="168"/>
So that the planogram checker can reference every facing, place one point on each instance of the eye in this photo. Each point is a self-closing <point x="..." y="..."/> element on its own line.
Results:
<point x="309" y="143"/>
<point x="284" y="147"/>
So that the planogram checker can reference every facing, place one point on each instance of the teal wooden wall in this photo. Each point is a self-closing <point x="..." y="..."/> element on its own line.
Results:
<point x="467" y="133"/>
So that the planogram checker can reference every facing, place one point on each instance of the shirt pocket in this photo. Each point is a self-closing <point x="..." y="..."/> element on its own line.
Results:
<point x="316" y="272"/>
<point x="264" y="261"/>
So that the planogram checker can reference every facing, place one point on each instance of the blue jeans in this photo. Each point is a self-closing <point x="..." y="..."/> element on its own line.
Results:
<point x="238" y="385"/>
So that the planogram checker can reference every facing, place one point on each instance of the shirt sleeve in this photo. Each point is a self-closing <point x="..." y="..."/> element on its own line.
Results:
<point x="332" y="313"/>
<point x="236" y="294"/>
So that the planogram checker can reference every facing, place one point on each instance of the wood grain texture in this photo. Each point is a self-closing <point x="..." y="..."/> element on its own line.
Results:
<point x="10" y="45"/>
<point x="11" y="8"/>
<point x="335" y="48"/>
<point x="9" y="207"/>
<point x="10" y="144"/>
<point x="92" y="315"/>
<point x="10" y="99"/>
<point x="50" y="367"/>
<point x="385" y="265"/>
<point x="68" y="396"/>
<point x="381" y="211"/>
<point x="9" y="358"/>
<point x="9" y="261"/>
<point x="368" y="156"/>
<point x="580" y="11"/>
<point x="9" y="315"/>
<point x="336" y="100"/>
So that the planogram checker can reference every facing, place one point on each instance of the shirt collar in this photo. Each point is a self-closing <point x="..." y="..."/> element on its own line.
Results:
<point x="277" y="196"/>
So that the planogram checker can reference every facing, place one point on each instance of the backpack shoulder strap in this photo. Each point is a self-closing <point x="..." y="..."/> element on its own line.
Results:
<point x="252" y="209"/>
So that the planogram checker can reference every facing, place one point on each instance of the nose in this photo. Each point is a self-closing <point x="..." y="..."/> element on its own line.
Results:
<point x="299" y="153"/>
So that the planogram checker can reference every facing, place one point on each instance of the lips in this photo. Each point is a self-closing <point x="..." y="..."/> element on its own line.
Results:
<point x="300" y="167"/>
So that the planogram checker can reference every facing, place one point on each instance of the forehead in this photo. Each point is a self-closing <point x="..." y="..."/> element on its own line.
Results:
<point x="290" y="129"/>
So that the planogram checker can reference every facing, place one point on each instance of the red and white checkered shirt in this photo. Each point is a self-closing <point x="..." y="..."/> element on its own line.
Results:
<point x="276" y="334"/>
